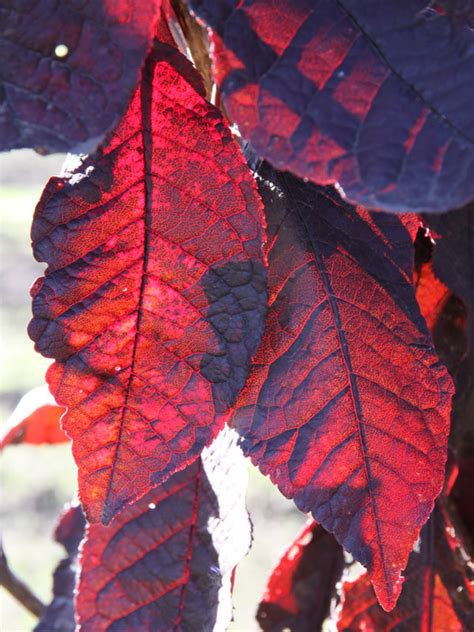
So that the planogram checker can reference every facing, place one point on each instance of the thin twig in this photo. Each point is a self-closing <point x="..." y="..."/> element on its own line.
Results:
<point x="18" y="589"/>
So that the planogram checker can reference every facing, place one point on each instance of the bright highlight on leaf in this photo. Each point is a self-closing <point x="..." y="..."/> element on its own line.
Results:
<point x="350" y="92"/>
<point x="347" y="406"/>
<point x="154" y="296"/>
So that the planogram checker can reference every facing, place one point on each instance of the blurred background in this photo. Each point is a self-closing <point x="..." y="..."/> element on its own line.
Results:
<point x="36" y="481"/>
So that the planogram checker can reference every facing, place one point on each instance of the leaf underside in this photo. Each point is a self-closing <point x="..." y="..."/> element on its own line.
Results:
<point x="346" y="407"/>
<point x="436" y="595"/>
<point x="350" y="92"/>
<point x="165" y="563"/>
<point x="303" y="584"/>
<point x="154" y="296"/>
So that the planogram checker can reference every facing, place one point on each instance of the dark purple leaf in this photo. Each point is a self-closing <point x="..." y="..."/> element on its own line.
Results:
<point x="376" y="96"/>
<point x="302" y="588"/>
<point x="68" y="69"/>
<point x="59" y="615"/>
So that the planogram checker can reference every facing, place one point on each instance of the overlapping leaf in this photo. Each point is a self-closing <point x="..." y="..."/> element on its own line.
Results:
<point x="34" y="420"/>
<point x="347" y="406"/>
<point x="68" y="69"/>
<point x="436" y="596"/>
<point x="59" y="615"/>
<point x="453" y="254"/>
<point x="431" y="294"/>
<point x="154" y="296"/>
<point x="165" y="563"/>
<point x="302" y="587"/>
<point x="350" y="92"/>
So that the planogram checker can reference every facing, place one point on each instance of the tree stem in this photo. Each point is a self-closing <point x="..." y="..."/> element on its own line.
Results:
<point x="18" y="589"/>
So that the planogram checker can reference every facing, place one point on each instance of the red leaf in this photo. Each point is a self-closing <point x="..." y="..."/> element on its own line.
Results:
<point x="348" y="91"/>
<point x="166" y="562"/>
<point x="68" y="69"/>
<point x="431" y="295"/>
<point x="154" y="296"/>
<point x="34" y="420"/>
<point x="301" y="588"/>
<point x="437" y="594"/>
<point x="347" y="406"/>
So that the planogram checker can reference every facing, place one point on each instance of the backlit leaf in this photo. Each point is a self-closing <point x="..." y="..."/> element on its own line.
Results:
<point x="68" y="69"/>
<point x="347" y="405"/>
<point x="154" y="296"/>
<point x="165" y="563"/>
<point x="348" y="91"/>
<point x="437" y="594"/>
<point x="34" y="420"/>
<point x="301" y="589"/>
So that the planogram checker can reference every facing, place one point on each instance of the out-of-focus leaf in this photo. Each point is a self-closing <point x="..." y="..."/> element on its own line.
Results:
<point x="165" y="563"/>
<point x="347" y="405"/>
<point x="68" y="69"/>
<point x="302" y="588"/>
<point x="59" y="615"/>
<point x="348" y="91"/>
<point x="34" y="420"/>
<point x="431" y="294"/>
<point x="453" y="254"/>
<point x="437" y="595"/>
<point x="154" y="297"/>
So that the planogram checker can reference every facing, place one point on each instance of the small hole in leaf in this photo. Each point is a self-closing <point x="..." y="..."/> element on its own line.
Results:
<point x="61" y="50"/>
<point x="152" y="506"/>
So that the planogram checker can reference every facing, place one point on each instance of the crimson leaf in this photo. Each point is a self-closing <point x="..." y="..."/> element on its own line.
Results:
<point x="154" y="296"/>
<point x="436" y="596"/>
<point x="347" y="406"/>
<point x="301" y="588"/>
<point x="68" y="69"/>
<point x="165" y="563"/>
<point x="349" y="92"/>
<point x="34" y="420"/>
<point x="59" y="615"/>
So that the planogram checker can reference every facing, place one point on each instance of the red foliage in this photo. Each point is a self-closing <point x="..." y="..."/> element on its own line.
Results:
<point x="154" y="302"/>
<point x="431" y="295"/>
<point x="34" y="420"/>
<point x="166" y="562"/>
<point x="154" y="295"/>
<point x="347" y="406"/>
<point x="349" y="92"/>
<point x="437" y="594"/>
<point x="69" y="69"/>
<point x="302" y="586"/>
